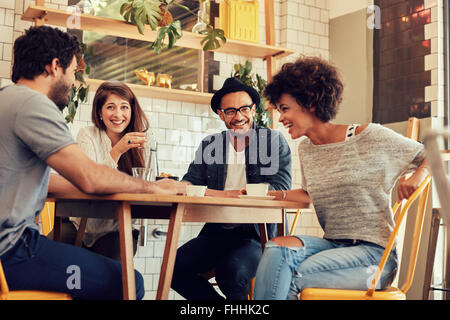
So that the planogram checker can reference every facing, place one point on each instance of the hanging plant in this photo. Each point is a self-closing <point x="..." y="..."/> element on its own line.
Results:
<point x="142" y="12"/>
<point x="173" y="32"/>
<point x="155" y="13"/>
<point x="79" y="93"/>
<point x="211" y="40"/>
<point x="244" y="74"/>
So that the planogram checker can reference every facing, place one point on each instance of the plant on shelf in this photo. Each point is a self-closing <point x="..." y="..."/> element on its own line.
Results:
<point x="155" y="13"/>
<point x="79" y="93"/>
<point x="244" y="73"/>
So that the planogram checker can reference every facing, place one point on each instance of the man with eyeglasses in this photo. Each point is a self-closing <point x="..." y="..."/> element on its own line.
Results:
<point x="225" y="163"/>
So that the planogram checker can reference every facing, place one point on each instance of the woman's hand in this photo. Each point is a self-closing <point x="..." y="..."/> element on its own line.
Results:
<point x="406" y="187"/>
<point x="129" y="141"/>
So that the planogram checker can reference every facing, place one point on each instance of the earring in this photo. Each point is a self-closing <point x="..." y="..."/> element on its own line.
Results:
<point x="101" y="119"/>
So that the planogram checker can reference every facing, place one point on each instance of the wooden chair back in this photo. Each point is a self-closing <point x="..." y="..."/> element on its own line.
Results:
<point x="47" y="217"/>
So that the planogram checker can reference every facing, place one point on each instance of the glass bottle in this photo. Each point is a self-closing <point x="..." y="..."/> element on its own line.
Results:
<point x="151" y="157"/>
<point x="202" y="16"/>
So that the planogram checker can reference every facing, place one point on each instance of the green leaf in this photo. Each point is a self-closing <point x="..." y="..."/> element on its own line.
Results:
<point x="142" y="12"/>
<point x="173" y="32"/>
<point x="212" y="37"/>
<point x="79" y="76"/>
<point x="127" y="15"/>
<point x="152" y="13"/>
<point x="140" y="26"/>
<point x="72" y="94"/>
<point x="172" y="39"/>
<point x="248" y="67"/>
<point x="83" y="48"/>
<point x="123" y="8"/>
<point x="82" y="94"/>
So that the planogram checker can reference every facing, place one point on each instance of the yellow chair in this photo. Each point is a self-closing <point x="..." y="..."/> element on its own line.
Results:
<point x="47" y="217"/>
<point x="390" y="293"/>
<point x="5" y="294"/>
<point x="294" y="222"/>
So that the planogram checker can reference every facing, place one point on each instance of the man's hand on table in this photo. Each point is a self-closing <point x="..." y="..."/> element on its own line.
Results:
<point x="169" y="186"/>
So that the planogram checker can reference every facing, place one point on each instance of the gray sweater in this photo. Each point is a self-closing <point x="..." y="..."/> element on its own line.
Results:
<point x="350" y="182"/>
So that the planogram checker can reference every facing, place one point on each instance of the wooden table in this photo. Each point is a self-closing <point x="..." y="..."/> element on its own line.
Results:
<point x="178" y="209"/>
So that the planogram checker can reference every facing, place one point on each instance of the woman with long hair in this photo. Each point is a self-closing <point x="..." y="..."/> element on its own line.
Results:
<point x="117" y="140"/>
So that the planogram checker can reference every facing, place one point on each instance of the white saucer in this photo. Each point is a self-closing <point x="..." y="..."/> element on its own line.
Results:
<point x="244" y="196"/>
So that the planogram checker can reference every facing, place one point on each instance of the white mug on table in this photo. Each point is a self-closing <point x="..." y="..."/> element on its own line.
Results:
<point x="257" y="189"/>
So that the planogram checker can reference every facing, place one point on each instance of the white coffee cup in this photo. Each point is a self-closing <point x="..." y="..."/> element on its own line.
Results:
<point x="257" y="189"/>
<point x="195" y="191"/>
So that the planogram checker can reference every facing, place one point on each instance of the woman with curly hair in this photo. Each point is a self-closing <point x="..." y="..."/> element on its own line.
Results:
<point x="348" y="173"/>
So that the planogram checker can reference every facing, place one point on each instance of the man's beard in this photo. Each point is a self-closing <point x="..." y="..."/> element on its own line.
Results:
<point x="59" y="94"/>
<point x="238" y="133"/>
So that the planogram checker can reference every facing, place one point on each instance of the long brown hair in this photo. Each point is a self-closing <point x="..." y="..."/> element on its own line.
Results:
<point x="138" y="122"/>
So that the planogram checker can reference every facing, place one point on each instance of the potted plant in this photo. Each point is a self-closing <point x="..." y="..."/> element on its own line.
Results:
<point x="79" y="93"/>
<point x="244" y="73"/>
<point x="155" y="13"/>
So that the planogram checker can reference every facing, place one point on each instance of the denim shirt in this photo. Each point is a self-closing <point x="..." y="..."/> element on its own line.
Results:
<point x="267" y="159"/>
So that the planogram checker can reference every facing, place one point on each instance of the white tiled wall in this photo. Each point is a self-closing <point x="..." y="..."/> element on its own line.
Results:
<point x="435" y="62"/>
<point x="299" y="24"/>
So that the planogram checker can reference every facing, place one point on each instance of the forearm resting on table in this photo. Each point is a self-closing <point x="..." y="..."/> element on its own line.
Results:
<point x="86" y="175"/>
<point x="297" y="195"/>
<point x="59" y="184"/>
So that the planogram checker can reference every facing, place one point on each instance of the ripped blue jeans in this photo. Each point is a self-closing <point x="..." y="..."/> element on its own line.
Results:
<point x="284" y="272"/>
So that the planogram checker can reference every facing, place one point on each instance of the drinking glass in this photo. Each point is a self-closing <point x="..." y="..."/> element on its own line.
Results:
<point x="143" y="173"/>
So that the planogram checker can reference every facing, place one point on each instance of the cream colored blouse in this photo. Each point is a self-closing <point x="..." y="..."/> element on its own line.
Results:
<point x="97" y="146"/>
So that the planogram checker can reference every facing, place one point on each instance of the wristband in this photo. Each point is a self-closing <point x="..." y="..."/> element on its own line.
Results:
<point x="284" y="194"/>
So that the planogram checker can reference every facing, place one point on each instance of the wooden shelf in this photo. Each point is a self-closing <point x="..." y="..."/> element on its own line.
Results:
<point x="161" y="93"/>
<point x="124" y="29"/>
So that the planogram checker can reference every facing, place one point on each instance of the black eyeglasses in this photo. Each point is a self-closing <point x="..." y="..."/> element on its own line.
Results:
<point x="231" y="112"/>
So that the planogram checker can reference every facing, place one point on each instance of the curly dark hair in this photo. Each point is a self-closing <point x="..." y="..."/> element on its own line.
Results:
<point x="38" y="47"/>
<point x="312" y="82"/>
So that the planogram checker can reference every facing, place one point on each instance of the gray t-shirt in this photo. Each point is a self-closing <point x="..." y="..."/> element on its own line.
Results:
<point x="31" y="129"/>
<point x="350" y="182"/>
